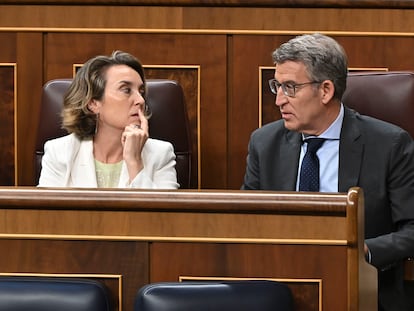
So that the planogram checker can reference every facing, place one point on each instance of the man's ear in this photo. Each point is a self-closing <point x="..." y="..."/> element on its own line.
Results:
<point x="328" y="90"/>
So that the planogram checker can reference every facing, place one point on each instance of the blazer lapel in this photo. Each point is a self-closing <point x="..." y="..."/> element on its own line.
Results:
<point x="351" y="149"/>
<point x="123" y="177"/>
<point x="83" y="167"/>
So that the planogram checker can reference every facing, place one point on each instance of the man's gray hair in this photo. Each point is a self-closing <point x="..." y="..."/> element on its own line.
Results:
<point x="323" y="57"/>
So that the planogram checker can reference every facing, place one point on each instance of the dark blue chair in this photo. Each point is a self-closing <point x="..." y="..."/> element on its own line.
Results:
<point x="215" y="296"/>
<point x="53" y="294"/>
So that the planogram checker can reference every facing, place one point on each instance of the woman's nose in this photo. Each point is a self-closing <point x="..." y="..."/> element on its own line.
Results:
<point x="139" y="98"/>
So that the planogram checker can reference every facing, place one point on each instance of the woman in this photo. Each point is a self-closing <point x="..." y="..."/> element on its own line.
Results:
<point x="108" y="146"/>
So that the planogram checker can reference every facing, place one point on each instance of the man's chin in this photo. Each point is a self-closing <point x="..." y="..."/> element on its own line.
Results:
<point x="290" y="125"/>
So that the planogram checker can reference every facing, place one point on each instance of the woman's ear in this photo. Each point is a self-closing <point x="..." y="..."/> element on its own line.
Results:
<point x="93" y="106"/>
<point x="328" y="91"/>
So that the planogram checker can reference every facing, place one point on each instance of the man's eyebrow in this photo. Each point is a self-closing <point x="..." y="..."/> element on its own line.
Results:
<point x="285" y="82"/>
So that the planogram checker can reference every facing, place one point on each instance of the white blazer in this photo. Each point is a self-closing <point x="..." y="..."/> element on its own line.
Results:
<point x="69" y="162"/>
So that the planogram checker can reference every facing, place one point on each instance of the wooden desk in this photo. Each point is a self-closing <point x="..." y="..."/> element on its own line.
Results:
<point x="128" y="238"/>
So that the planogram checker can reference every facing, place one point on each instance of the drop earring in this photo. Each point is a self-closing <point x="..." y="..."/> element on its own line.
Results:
<point x="147" y="111"/>
<point x="96" y="123"/>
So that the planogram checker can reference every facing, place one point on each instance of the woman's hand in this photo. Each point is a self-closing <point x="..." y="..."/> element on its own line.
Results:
<point x="133" y="140"/>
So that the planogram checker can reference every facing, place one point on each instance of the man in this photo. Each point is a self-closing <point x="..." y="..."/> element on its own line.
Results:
<point x="310" y="79"/>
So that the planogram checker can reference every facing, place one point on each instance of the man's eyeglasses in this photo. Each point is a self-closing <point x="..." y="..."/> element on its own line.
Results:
<point x="288" y="88"/>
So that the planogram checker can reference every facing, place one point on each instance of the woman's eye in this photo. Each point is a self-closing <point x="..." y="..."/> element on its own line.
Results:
<point x="126" y="90"/>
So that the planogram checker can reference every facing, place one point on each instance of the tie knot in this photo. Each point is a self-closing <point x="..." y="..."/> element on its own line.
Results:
<point x="314" y="144"/>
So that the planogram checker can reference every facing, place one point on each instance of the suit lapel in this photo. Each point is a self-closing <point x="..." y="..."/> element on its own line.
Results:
<point x="351" y="150"/>
<point x="286" y="174"/>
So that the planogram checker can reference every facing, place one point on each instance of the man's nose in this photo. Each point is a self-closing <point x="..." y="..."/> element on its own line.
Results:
<point x="281" y="98"/>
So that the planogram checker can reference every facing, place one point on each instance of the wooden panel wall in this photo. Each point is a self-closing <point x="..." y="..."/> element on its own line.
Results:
<point x="229" y="43"/>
